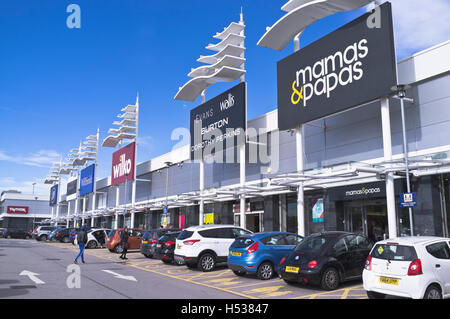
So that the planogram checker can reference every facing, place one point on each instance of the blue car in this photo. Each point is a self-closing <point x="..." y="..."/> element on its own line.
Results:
<point x="52" y="235"/>
<point x="260" y="253"/>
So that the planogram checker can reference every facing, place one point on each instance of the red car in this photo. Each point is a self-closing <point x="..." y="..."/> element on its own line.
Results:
<point x="134" y="239"/>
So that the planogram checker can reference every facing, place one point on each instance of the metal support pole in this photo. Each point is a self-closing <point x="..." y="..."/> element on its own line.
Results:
<point x="242" y="159"/>
<point x="387" y="148"/>
<point x="405" y="152"/>
<point x="300" y="165"/>
<point x="202" y="176"/>
<point x="94" y="194"/>
<point x="133" y="190"/>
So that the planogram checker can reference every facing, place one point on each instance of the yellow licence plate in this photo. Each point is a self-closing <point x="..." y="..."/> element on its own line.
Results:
<point x="387" y="280"/>
<point x="178" y="246"/>
<point x="236" y="254"/>
<point x="145" y="242"/>
<point x="292" y="269"/>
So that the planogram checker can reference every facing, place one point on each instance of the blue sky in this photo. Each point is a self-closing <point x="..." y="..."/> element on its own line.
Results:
<point x="58" y="85"/>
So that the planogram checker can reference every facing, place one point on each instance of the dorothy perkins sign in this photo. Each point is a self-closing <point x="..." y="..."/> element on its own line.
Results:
<point x="351" y="66"/>
<point x="219" y="123"/>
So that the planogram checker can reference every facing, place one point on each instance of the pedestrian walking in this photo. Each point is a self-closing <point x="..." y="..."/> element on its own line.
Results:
<point x="82" y="240"/>
<point x="124" y="243"/>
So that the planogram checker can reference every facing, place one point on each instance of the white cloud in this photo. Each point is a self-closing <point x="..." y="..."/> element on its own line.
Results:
<point x="26" y="187"/>
<point x="420" y="24"/>
<point x="42" y="158"/>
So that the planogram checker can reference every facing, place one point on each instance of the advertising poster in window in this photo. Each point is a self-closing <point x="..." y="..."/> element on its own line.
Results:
<point x="317" y="211"/>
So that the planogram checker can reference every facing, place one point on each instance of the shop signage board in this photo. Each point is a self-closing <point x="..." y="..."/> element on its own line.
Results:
<point x="351" y="66"/>
<point x="123" y="164"/>
<point x="72" y="187"/>
<point x="87" y="180"/>
<point x="17" y="210"/>
<point x="53" y="195"/>
<point x="219" y="123"/>
<point x="408" y="200"/>
<point x="359" y="191"/>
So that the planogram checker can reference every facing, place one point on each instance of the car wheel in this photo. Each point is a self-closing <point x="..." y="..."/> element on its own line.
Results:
<point x="66" y="240"/>
<point x="207" y="262"/>
<point x="118" y="249"/>
<point x="9" y="236"/>
<point x="239" y="273"/>
<point x="43" y="237"/>
<point x="375" y="295"/>
<point x="433" y="292"/>
<point x="330" y="279"/>
<point x="27" y="237"/>
<point x="91" y="244"/>
<point x="148" y="255"/>
<point x="265" y="271"/>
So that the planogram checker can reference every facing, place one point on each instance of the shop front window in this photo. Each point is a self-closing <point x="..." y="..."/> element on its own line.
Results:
<point x="291" y="220"/>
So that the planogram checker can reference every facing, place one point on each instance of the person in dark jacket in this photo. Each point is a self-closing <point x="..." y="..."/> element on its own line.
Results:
<point x="82" y="240"/>
<point x="124" y="243"/>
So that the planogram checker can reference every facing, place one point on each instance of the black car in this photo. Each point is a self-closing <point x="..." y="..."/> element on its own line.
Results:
<point x="326" y="259"/>
<point x="16" y="233"/>
<point x="165" y="247"/>
<point x="150" y="238"/>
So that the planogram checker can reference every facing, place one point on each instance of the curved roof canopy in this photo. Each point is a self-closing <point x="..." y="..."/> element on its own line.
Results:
<point x="194" y="87"/>
<point x="301" y="14"/>
<point x="224" y="66"/>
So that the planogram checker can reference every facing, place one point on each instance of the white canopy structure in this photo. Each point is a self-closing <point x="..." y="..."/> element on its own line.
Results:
<point x="126" y="127"/>
<point x="224" y="66"/>
<point x="301" y="14"/>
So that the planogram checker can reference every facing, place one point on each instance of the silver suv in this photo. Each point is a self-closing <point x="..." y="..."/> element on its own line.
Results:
<point x="42" y="232"/>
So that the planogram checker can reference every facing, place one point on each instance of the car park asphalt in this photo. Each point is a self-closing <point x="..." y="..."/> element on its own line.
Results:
<point x="101" y="277"/>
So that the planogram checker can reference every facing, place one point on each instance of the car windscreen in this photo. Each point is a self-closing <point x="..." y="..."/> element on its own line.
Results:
<point x="242" y="242"/>
<point x="394" y="252"/>
<point x="111" y="233"/>
<point x="185" y="234"/>
<point x="312" y="244"/>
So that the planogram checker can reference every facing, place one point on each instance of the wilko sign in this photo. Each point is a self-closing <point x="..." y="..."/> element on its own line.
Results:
<point x="17" y="210"/>
<point x="123" y="164"/>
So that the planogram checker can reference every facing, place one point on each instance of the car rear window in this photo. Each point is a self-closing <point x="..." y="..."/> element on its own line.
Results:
<point x="394" y="252"/>
<point x="242" y="242"/>
<point x="312" y="244"/>
<point x="146" y="235"/>
<point x="185" y="234"/>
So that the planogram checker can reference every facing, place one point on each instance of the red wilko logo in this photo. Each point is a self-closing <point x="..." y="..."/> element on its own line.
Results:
<point x="123" y="164"/>
<point x="17" y="210"/>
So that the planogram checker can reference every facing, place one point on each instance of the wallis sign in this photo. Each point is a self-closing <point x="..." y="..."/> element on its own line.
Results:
<point x="349" y="67"/>
<point x="123" y="164"/>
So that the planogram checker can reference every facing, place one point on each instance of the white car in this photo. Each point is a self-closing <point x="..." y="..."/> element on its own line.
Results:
<point x="96" y="237"/>
<point x="207" y="245"/>
<point x="412" y="267"/>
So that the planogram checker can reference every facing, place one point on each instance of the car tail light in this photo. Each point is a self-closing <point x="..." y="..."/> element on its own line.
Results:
<point x="57" y="234"/>
<point x="312" y="264"/>
<point x="191" y="242"/>
<point x="282" y="260"/>
<point x="368" y="265"/>
<point x="415" y="268"/>
<point x="169" y="243"/>
<point x="253" y="248"/>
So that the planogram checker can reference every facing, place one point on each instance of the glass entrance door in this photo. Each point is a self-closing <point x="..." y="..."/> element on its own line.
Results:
<point x="367" y="217"/>
<point x="354" y="218"/>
